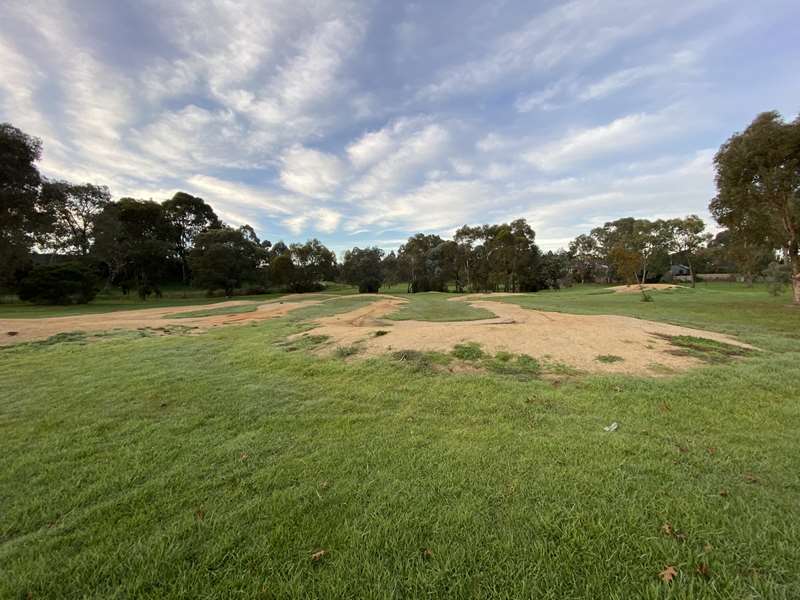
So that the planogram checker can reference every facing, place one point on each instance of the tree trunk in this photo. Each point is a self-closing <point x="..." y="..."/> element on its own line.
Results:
<point x="795" y="260"/>
<point x="691" y="272"/>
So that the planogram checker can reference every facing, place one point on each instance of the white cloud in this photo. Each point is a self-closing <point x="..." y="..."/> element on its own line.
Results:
<point x="620" y="134"/>
<point x="311" y="172"/>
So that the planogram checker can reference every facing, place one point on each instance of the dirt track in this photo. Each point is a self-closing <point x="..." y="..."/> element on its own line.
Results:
<point x="152" y="318"/>
<point x="575" y="340"/>
<point x="649" y="287"/>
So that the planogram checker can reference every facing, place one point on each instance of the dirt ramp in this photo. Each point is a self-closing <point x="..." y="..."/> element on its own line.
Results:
<point x="581" y="341"/>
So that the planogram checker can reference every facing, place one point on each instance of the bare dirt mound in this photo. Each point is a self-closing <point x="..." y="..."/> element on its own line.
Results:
<point x="575" y="340"/>
<point x="636" y="289"/>
<point x="148" y="318"/>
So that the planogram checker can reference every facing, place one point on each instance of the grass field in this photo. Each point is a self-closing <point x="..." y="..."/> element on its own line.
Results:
<point x="226" y="465"/>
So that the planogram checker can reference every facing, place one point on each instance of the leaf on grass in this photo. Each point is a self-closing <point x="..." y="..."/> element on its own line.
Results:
<point x="668" y="574"/>
<point x="750" y="478"/>
<point x="244" y="456"/>
<point x="664" y="407"/>
<point x="712" y="450"/>
<point x="703" y="569"/>
<point x="427" y="554"/>
<point x="723" y="493"/>
<point x="324" y="485"/>
<point x="708" y="548"/>
<point x="318" y="555"/>
<point x="667" y="529"/>
<point x="200" y="514"/>
<point x="681" y="449"/>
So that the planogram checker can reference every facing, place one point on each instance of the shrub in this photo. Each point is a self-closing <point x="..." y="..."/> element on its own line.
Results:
<point x="470" y="351"/>
<point x="777" y="277"/>
<point x="68" y="283"/>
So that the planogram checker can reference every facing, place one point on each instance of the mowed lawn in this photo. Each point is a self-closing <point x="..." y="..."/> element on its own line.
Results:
<point x="224" y="464"/>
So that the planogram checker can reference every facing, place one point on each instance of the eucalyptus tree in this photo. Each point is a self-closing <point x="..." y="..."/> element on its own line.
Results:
<point x="758" y="187"/>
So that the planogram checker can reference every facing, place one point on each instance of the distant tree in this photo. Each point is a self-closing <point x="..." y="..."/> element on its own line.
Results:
<point x="24" y="215"/>
<point x="413" y="257"/>
<point x="363" y="268"/>
<point x="75" y="209"/>
<point x="65" y="283"/>
<point x="584" y="257"/>
<point x="758" y="187"/>
<point x="190" y="216"/>
<point x="391" y="270"/>
<point x="223" y="258"/>
<point x="554" y="269"/>
<point x="685" y="237"/>
<point x="135" y="241"/>
<point x="312" y="264"/>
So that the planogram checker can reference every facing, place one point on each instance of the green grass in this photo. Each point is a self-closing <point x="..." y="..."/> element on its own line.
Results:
<point x="468" y="351"/>
<point x="222" y="310"/>
<point x="215" y="465"/>
<point x="609" y="358"/>
<point x="436" y="306"/>
<point x="173" y="297"/>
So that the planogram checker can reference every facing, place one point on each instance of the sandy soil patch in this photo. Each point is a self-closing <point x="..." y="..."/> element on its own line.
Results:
<point x="575" y="340"/>
<point x="152" y="318"/>
<point x="635" y="289"/>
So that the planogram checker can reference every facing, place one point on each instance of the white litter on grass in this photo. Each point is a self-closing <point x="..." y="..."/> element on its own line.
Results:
<point x="613" y="427"/>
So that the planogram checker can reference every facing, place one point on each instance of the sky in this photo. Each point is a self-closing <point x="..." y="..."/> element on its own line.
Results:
<point x="363" y="122"/>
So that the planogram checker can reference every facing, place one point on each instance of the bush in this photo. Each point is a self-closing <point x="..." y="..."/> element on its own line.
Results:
<point x="468" y="351"/>
<point x="67" y="283"/>
<point x="777" y="276"/>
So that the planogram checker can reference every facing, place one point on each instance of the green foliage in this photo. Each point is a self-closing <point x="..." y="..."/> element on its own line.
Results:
<point x="135" y="241"/>
<point x="347" y="351"/>
<point x="66" y="283"/>
<point x="24" y="216"/>
<point x="223" y="258"/>
<point x="421" y="362"/>
<point x="519" y="366"/>
<point x="609" y="358"/>
<point x="190" y="216"/>
<point x="758" y="186"/>
<point x="469" y="351"/>
<point x="777" y="276"/>
<point x="363" y="269"/>
<point x="707" y="350"/>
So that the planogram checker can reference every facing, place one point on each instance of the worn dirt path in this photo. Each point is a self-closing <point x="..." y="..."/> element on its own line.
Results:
<point x="153" y="318"/>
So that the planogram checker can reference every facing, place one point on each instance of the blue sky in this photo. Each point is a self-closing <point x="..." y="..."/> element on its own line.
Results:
<point x="363" y="122"/>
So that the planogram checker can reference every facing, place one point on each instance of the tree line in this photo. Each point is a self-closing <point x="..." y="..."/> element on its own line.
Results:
<point x="137" y="245"/>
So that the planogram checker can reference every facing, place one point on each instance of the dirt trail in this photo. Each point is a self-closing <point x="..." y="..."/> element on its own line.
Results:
<point x="153" y="318"/>
<point x="575" y="340"/>
<point x="635" y="289"/>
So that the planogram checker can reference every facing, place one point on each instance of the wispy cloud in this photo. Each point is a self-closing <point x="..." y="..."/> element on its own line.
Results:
<point x="359" y="120"/>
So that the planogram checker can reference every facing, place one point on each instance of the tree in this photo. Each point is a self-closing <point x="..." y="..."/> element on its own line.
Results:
<point x="312" y="263"/>
<point x="66" y="283"/>
<point x="363" y="268"/>
<point x="584" y="258"/>
<point x="554" y="269"/>
<point x="758" y="187"/>
<point x="223" y="258"/>
<point x="135" y="242"/>
<point x="685" y="238"/>
<point x="24" y="215"/>
<point x="75" y="209"/>
<point x="190" y="216"/>
<point x="412" y="257"/>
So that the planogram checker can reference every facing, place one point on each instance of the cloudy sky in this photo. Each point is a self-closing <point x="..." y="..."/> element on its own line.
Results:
<point x="362" y="122"/>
